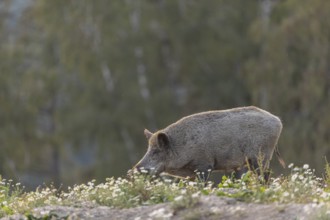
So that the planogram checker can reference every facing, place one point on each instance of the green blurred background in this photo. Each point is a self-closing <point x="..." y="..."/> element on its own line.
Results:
<point x="81" y="79"/>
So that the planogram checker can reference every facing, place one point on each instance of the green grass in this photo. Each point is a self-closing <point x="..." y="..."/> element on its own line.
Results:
<point x="300" y="186"/>
<point x="327" y="176"/>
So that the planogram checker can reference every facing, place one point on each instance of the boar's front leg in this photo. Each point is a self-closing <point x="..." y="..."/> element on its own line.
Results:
<point x="238" y="173"/>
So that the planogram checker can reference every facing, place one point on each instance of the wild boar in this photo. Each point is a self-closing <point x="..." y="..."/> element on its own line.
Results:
<point x="224" y="140"/>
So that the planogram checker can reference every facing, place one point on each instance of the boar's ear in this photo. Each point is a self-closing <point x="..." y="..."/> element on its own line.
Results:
<point x="163" y="140"/>
<point x="147" y="133"/>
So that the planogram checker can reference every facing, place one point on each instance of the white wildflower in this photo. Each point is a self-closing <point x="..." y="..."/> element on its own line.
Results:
<point x="195" y="195"/>
<point x="178" y="198"/>
<point x="192" y="183"/>
<point x="286" y="194"/>
<point x="183" y="191"/>
<point x="306" y="166"/>
<point x="143" y="170"/>
<point x="44" y="213"/>
<point x="294" y="177"/>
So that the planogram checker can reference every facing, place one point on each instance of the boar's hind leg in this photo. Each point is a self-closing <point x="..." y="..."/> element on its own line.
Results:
<point x="248" y="165"/>
<point x="253" y="164"/>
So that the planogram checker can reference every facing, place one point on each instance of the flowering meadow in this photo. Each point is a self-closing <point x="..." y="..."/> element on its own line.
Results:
<point x="300" y="186"/>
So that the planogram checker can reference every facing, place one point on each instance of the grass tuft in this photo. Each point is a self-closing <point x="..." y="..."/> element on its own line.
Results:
<point x="327" y="176"/>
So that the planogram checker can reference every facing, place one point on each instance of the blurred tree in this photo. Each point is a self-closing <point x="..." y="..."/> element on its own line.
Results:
<point x="290" y="75"/>
<point x="124" y="64"/>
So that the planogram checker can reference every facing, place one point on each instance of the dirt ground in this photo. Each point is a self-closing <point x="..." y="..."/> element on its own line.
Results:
<point x="207" y="207"/>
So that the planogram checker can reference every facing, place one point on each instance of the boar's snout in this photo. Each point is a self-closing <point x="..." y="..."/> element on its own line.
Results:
<point x="147" y="167"/>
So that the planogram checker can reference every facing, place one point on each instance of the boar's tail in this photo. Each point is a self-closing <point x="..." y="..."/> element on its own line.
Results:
<point x="279" y="157"/>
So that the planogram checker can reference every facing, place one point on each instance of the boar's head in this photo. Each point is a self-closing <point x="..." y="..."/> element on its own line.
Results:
<point x="154" y="161"/>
